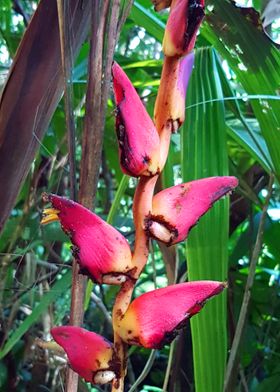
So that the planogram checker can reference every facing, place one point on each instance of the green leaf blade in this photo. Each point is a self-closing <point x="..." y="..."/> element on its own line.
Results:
<point x="204" y="154"/>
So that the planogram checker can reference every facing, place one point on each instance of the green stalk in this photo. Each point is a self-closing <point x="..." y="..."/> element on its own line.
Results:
<point x="204" y="154"/>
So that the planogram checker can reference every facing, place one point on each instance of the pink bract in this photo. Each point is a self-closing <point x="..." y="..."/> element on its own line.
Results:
<point x="88" y="353"/>
<point x="177" y="209"/>
<point x="182" y="26"/>
<point x="137" y="135"/>
<point x="102" y="252"/>
<point x="154" y="318"/>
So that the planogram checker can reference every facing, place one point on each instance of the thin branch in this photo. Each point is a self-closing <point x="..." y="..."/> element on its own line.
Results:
<point x="233" y="358"/>
<point x="145" y="371"/>
<point x="169" y="366"/>
<point x="124" y="14"/>
<point x="112" y="22"/>
<point x="20" y="10"/>
<point x="93" y="130"/>
<point x="63" y="8"/>
<point x="243" y="379"/>
<point x="102" y="307"/>
<point x="78" y="282"/>
<point x="20" y="294"/>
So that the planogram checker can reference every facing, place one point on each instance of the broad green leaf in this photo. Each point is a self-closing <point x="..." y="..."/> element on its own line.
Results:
<point x="237" y="34"/>
<point x="204" y="154"/>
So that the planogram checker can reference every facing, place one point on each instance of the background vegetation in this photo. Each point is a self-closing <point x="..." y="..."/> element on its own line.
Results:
<point x="232" y="126"/>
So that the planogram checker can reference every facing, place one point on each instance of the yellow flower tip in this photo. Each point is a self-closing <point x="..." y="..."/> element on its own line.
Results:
<point x="225" y="284"/>
<point x="49" y="215"/>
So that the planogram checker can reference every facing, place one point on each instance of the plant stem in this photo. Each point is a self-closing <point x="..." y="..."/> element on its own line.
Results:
<point x="67" y="65"/>
<point x="93" y="134"/>
<point x="145" y="371"/>
<point x="78" y="281"/>
<point x="120" y="307"/>
<point x="121" y="352"/>
<point x="169" y="366"/>
<point x="234" y="352"/>
<point x="142" y="207"/>
<point x="96" y="100"/>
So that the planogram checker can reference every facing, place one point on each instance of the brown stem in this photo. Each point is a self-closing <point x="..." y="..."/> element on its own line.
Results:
<point x="63" y="8"/>
<point x="112" y="34"/>
<point x="93" y="134"/>
<point x="91" y="155"/>
<point x="234" y="352"/>
<point x="124" y="14"/>
<point x="78" y="283"/>
<point x="121" y="354"/>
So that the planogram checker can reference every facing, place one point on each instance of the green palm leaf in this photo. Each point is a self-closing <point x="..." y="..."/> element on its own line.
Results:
<point x="237" y="34"/>
<point x="204" y="154"/>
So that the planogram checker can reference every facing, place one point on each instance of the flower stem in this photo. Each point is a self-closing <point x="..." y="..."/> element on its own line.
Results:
<point x="120" y="307"/>
<point x="142" y="207"/>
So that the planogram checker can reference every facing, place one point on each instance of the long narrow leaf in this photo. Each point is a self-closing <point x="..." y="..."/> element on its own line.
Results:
<point x="31" y="94"/>
<point x="57" y="289"/>
<point x="204" y="154"/>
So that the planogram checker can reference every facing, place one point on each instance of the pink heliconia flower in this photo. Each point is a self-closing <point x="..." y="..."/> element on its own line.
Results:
<point x="182" y="26"/>
<point x="177" y="209"/>
<point x="170" y="104"/>
<point x="89" y="354"/>
<point x="155" y="318"/>
<point x="101" y="251"/>
<point x="138" y="138"/>
<point x="161" y="4"/>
